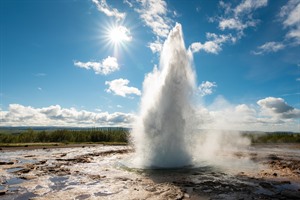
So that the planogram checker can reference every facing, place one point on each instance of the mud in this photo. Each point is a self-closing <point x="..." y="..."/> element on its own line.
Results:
<point x="98" y="172"/>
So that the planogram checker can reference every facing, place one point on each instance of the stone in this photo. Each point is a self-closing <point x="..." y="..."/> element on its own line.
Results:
<point x="290" y="194"/>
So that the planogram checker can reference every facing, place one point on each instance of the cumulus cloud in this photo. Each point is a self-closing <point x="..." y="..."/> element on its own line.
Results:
<point x="277" y="108"/>
<point x="154" y="14"/>
<point x="231" y="24"/>
<point x="120" y="87"/>
<point x="235" y="19"/>
<point x="247" y="6"/>
<point x="289" y="15"/>
<point x="106" y="66"/>
<point x="55" y="115"/>
<point x="270" y="114"/>
<point x="239" y="17"/>
<point x="206" y="88"/>
<point x="103" y="7"/>
<point x="269" y="47"/>
<point x="214" y="43"/>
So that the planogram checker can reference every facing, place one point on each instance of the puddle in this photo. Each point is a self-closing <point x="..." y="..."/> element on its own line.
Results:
<point x="14" y="181"/>
<point x="27" y="161"/>
<point x="83" y="196"/>
<point x="14" y="189"/>
<point x="59" y="182"/>
<point x="14" y="169"/>
<point x="25" y="196"/>
<point x="102" y="194"/>
<point x="288" y="186"/>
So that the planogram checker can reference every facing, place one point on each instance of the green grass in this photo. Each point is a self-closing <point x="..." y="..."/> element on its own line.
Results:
<point x="276" y="137"/>
<point x="65" y="136"/>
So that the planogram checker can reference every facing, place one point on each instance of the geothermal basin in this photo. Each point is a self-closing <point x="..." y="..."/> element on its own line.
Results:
<point x="175" y="152"/>
<point x="98" y="172"/>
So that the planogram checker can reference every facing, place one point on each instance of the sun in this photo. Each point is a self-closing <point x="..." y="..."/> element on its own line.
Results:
<point x="119" y="34"/>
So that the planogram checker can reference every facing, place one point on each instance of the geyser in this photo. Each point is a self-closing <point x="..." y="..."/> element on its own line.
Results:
<point x="162" y="133"/>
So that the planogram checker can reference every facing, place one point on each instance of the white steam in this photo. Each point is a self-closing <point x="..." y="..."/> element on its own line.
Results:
<point x="167" y="132"/>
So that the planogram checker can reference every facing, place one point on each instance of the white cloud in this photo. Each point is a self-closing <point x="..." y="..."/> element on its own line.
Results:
<point x="106" y="66"/>
<point x="289" y="14"/>
<point x="213" y="45"/>
<point x="298" y="79"/>
<point x="154" y="14"/>
<point x="269" y="47"/>
<point x="19" y="115"/>
<point x="240" y="17"/>
<point x="277" y="108"/>
<point x="271" y="114"/>
<point x="156" y="46"/>
<point x="209" y="47"/>
<point x="206" y="88"/>
<point x="128" y="2"/>
<point x="235" y="19"/>
<point x="107" y="10"/>
<point x="247" y="6"/>
<point x="120" y="87"/>
<point x="231" y="24"/>
<point x="39" y="88"/>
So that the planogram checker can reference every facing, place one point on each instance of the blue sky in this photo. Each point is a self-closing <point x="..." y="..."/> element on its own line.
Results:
<point x="83" y="62"/>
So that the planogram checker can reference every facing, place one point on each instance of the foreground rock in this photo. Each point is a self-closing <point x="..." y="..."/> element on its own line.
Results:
<point x="98" y="173"/>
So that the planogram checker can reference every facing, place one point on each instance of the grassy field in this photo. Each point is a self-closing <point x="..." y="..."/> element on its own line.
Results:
<point x="273" y="137"/>
<point x="64" y="136"/>
<point x="109" y="136"/>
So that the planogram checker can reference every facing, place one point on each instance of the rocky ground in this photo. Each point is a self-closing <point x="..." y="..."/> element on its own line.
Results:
<point x="97" y="172"/>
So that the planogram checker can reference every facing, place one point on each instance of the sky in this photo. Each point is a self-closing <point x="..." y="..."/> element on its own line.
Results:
<point x="83" y="62"/>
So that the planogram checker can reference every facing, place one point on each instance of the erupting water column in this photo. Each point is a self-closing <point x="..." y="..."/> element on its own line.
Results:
<point x="161" y="134"/>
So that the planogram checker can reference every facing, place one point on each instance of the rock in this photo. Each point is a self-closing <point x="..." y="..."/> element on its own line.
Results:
<point x="266" y="185"/>
<point x="27" y="177"/>
<point x="186" y="195"/>
<point x="150" y="189"/>
<point x="275" y="174"/>
<point x="123" y="178"/>
<point x="291" y="194"/>
<point x="42" y="162"/>
<point x="207" y="191"/>
<point x="23" y="171"/>
<point x="179" y="197"/>
<point x="6" y="163"/>
<point x="274" y="157"/>
<point x="2" y="192"/>
<point x="285" y="182"/>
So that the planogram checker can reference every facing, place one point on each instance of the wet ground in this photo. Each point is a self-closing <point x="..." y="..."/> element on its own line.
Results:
<point x="97" y="172"/>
